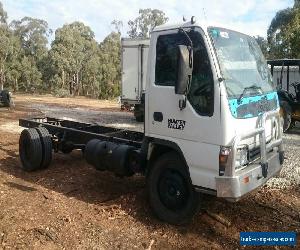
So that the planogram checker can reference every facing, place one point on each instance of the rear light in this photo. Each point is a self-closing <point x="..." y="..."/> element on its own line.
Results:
<point x="224" y="162"/>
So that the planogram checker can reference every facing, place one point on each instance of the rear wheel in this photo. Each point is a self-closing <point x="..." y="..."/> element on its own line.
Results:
<point x="286" y="114"/>
<point x="46" y="146"/>
<point x="30" y="149"/>
<point x="171" y="193"/>
<point x="139" y="113"/>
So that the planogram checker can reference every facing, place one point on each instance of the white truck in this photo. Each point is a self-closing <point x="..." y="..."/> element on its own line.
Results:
<point x="212" y="123"/>
<point x="134" y="71"/>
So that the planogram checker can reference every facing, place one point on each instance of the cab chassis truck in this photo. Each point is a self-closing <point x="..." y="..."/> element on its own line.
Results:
<point x="212" y="123"/>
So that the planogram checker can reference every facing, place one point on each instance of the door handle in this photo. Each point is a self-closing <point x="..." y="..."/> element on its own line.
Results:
<point x="158" y="116"/>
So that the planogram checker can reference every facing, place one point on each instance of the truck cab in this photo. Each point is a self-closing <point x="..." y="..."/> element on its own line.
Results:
<point x="222" y="120"/>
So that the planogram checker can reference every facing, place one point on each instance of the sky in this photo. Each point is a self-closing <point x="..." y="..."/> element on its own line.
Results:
<point x="248" y="16"/>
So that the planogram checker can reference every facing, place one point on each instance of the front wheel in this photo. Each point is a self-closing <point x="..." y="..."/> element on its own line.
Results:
<point x="171" y="193"/>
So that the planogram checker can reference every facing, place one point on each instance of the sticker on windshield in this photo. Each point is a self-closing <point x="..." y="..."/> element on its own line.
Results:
<point x="224" y="34"/>
<point x="253" y="106"/>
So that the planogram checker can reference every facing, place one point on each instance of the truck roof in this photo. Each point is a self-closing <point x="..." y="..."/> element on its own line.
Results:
<point x="135" y="42"/>
<point x="203" y="24"/>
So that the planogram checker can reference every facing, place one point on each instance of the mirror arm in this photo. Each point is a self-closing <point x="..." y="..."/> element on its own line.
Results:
<point x="182" y="102"/>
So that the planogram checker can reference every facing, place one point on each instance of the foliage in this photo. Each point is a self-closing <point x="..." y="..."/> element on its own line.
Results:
<point x="74" y="64"/>
<point x="147" y="20"/>
<point x="283" y="33"/>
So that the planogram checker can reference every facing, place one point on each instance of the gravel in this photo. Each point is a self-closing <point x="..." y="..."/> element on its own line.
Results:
<point x="122" y="120"/>
<point x="290" y="173"/>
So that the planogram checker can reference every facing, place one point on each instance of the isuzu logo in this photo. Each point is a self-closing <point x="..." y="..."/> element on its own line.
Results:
<point x="176" y="124"/>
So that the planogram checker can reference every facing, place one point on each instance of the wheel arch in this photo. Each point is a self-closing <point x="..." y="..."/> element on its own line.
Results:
<point x="157" y="147"/>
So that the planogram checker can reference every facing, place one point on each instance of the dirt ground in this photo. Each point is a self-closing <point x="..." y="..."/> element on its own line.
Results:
<point x="72" y="206"/>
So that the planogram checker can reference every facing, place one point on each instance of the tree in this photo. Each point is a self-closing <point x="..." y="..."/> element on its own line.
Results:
<point x="291" y="36"/>
<point x="3" y="15"/>
<point x="118" y="25"/>
<point x="283" y="32"/>
<point x="110" y="67"/>
<point x="6" y="49"/>
<point x="33" y="34"/>
<point x="263" y="44"/>
<point x="147" y="20"/>
<point x="73" y="47"/>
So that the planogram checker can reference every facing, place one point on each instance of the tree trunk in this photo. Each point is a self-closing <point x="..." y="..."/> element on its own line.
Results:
<point x="63" y="79"/>
<point x="77" y="83"/>
<point x="1" y="79"/>
<point x="16" y="84"/>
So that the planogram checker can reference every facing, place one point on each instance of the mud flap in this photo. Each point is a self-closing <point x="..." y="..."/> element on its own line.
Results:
<point x="264" y="168"/>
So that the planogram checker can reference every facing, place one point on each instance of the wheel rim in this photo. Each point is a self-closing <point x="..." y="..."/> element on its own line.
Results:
<point x="173" y="190"/>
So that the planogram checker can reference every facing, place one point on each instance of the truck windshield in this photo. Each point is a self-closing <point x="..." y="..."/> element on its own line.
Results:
<point x="242" y="63"/>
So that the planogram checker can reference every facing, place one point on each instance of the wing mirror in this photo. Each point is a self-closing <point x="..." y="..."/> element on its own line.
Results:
<point x="184" y="72"/>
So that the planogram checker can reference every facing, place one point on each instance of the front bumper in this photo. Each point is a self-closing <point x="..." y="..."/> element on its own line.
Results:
<point x="248" y="179"/>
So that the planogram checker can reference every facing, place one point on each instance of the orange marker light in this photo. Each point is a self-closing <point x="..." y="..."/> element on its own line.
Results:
<point x="246" y="179"/>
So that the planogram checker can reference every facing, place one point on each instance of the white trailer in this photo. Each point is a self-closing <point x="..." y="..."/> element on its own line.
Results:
<point x="134" y="71"/>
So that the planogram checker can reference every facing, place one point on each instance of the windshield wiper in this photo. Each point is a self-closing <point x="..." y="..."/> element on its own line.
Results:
<point x="253" y="87"/>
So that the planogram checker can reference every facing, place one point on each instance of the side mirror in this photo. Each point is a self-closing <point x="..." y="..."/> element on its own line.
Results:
<point x="184" y="69"/>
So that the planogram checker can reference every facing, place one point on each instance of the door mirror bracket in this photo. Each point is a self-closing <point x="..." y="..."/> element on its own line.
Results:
<point x="184" y="72"/>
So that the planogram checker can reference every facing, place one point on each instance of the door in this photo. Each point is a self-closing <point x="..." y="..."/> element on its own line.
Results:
<point x="195" y="129"/>
<point x="130" y="77"/>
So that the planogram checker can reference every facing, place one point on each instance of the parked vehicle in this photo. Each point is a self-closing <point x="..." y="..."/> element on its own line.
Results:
<point x="212" y="123"/>
<point x="286" y="73"/>
<point x="5" y="98"/>
<point x="134" y="71"/>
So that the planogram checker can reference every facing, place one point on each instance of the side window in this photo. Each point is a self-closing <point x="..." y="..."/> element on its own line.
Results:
<point x="166" y="59"/>
<point x="201" y="91"/>
<point x="201" y="94"/>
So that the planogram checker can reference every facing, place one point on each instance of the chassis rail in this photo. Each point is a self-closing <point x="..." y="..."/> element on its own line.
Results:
<point x="81" y="133"/>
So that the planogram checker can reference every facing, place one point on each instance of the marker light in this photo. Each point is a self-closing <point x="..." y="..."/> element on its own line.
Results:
<point x="224" y="159"/>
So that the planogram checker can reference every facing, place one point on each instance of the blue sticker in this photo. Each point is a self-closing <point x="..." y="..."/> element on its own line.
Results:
<point x="214" y="32"/>
<point x="253" y="106"/>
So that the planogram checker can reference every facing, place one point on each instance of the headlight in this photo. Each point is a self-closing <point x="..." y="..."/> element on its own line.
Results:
<point x="242" y="157"/>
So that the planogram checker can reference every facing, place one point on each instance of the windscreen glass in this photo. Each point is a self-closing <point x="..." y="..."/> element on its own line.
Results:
<point x="242" y="63"/>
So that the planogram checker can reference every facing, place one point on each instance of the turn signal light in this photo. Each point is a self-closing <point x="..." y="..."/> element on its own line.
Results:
<point x="223" y="159"/>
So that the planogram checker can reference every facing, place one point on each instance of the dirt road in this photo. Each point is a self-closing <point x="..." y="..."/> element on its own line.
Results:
<point x="72" y="206"/>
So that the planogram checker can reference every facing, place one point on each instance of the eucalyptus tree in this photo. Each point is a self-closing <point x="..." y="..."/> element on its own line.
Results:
<point x="147" y="20"/>
<point x="283" y="33"/>
<point x="73" y="47"/>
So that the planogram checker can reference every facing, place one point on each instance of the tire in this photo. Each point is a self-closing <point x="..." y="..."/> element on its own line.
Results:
<point x="139" y="113"/>
<point x="286" y="114"/>
<point x="171" y="193"/>
<point x="30" y="150"/>
<point x="139" y="117"/>
<point x="46" y="140"/>
<point x="6" y="100"/>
